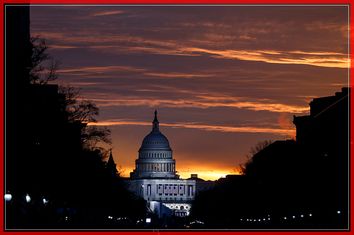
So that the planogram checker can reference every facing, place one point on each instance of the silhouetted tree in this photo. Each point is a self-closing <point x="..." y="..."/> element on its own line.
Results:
<point x="254" y="150"/>
<point x="85" y="111"/>
<point x="43" y="67"/>
<point x="62" y="156"/>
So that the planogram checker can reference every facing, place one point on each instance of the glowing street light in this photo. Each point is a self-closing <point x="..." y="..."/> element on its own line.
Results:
<point x="45" y="201"/>
<point x="8" y="197"/>
<point x="148" y="220"/>
<point x="28" y="198"/>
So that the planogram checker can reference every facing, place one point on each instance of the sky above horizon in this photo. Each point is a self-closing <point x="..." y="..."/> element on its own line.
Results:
<point x="222" y="78"/>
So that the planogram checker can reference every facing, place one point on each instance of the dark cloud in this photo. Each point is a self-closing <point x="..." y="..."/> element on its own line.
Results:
<point x="223" y="78"/>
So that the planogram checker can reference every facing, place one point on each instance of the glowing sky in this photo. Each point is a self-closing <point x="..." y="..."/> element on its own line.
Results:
<point x="222" y="78"/>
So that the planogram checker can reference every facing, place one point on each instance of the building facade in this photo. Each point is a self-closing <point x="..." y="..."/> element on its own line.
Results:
<point x="155" y="178"/>
<point x="324" y="134"/>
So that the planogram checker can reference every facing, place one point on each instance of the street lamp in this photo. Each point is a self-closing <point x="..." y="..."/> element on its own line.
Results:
<point x="28" y="198"/>
<point x="8" y="197"/>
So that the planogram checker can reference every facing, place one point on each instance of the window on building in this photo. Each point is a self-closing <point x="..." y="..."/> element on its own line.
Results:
<point x="148" y="189"/>
<point x="190" y="190"/>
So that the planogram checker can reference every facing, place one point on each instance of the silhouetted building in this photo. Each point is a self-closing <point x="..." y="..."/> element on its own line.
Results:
<point x="290" y="184"/>
<point x="324" y="135"/>
<point x="111" y="165"/>
<point x="54" y="176"/>
<point x="18" y="60"/>
<point x="326" y="127"/>
<point x="155" y="178"/>
<point x="201" y="185"/>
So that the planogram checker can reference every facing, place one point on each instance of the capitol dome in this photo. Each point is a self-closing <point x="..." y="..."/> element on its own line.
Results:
<point x="155" y="156"/>
<point x="155" y="140"/>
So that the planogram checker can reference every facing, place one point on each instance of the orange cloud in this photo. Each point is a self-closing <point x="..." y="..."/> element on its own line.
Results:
<point x="54" y="46"/>
<point x="178" y="75"/>
<point x="259" y="105"/>
<point x="322" y="59"/>
<point x="203" y="102"/>
<point x="204" y="127"/>
<point x="107" y="13"/>
<point x="285" y="122"/>
<point x="135" y="44"/>
<point x="100" y="69"/>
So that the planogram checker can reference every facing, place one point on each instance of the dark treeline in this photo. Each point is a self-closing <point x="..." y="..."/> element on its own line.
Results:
<point x="289" y="184"/>
<point x="56" y="168"/>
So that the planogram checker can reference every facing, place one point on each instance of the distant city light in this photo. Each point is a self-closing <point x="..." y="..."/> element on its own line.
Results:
<point x="199" y="222"/>
<point x="310" y="215"/>
<point x="302" y="216"/>
<point x="148" y="220"/>
<point x="28" y="198"/>
<point x="45" y="201"/>
<point x="285" y="218"/>
<point x="8" y="197"/>
<point x="338" y="212"/>
<point x="110" y="217"/>
<point x="293" y="216"/>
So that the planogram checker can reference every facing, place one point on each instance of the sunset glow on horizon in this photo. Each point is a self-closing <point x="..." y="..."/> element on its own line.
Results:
<point x="207" y="173"/>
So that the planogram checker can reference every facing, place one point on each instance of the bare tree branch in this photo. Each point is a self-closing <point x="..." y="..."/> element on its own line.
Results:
<point x="43" y="67"/>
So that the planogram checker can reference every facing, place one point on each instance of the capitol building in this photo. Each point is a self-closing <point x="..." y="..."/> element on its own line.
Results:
<point x="155" y="179"/>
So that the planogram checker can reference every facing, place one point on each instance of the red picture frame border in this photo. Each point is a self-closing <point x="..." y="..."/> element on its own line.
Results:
<point x="172" y="2"/>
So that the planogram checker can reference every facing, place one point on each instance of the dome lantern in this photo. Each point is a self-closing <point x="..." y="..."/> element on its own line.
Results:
<point x="155" y="123"/>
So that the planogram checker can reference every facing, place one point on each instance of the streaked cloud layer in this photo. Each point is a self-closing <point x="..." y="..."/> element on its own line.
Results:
<point x="234" y="129"/>
<point x="222" y="78"/>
